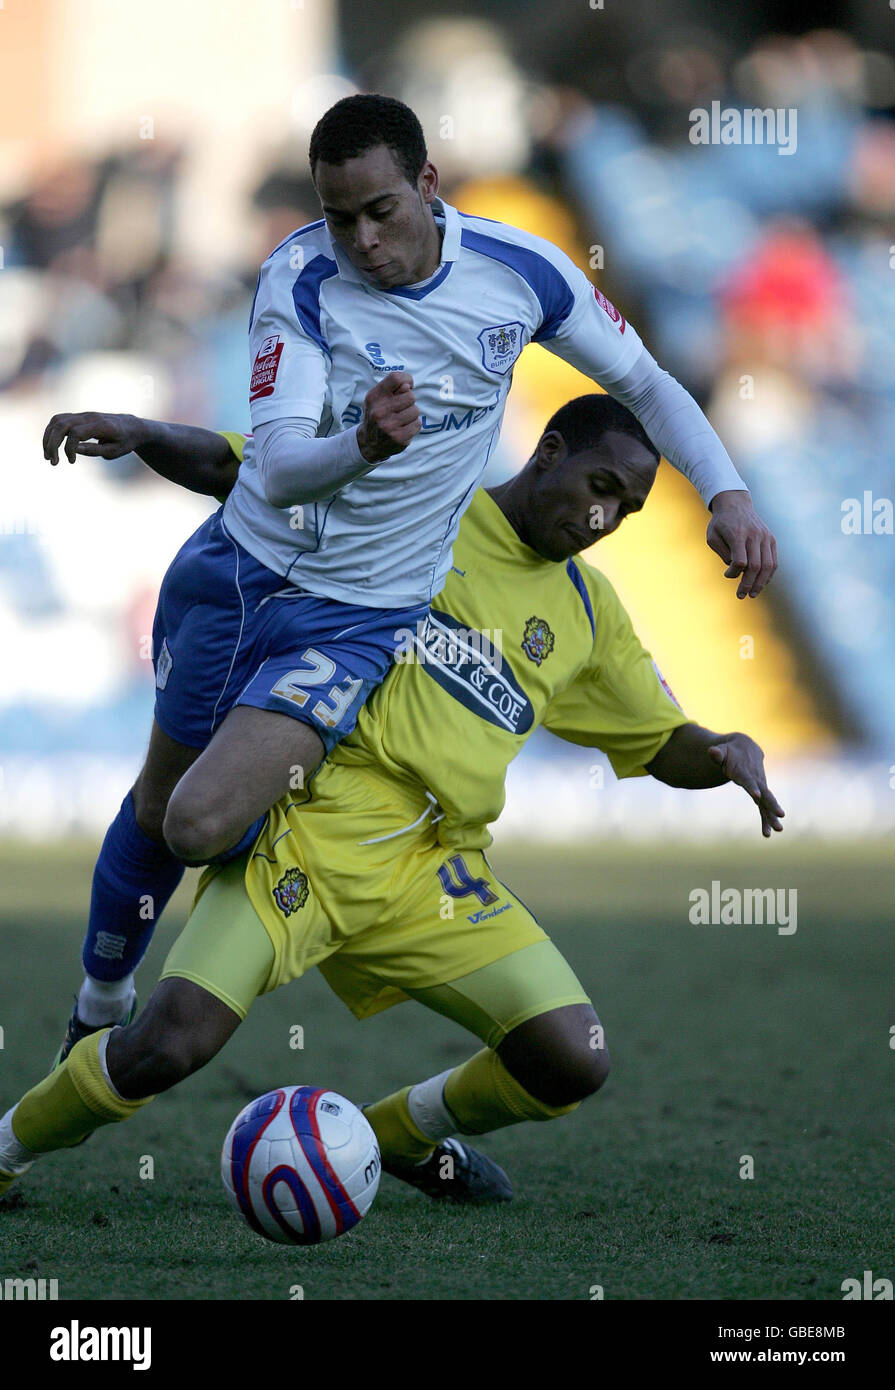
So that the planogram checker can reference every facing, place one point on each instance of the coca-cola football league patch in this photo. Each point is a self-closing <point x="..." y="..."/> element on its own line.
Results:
<point x="265" y="367"/>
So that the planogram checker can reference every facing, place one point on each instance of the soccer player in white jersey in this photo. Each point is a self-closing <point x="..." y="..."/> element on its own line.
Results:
<point x="383" y="340"/>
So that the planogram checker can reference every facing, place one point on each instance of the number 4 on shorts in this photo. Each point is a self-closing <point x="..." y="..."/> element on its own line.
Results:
<point x="459" y="882"/>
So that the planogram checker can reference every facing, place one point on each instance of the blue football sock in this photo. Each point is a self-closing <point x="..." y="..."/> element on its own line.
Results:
<point x="132" y="882"/>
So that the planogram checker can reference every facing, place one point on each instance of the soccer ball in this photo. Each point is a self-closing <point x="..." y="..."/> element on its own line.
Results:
<point x="301" y="1165"/>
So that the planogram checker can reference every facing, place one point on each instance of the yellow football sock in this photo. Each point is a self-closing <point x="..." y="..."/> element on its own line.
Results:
<point x="482" y="1095"/>
<point x="400" y="1141"/>
<point x="71" y="1102"/>
<point x="476" y="1097"/>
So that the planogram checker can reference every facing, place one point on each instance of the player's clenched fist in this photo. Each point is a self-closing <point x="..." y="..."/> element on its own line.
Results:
<point x="391" y="418"/>
<point x="115" y="435"/>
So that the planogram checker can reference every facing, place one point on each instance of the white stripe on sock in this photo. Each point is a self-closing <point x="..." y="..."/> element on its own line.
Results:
<point x="104" y="1001"/>
<point x="427" y="1107"/>
<point x="14" y="1157"/>
<point x="101" y="1051"/>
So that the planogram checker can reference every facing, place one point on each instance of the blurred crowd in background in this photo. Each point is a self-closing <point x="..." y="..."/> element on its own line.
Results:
<point x="763" y="279"/>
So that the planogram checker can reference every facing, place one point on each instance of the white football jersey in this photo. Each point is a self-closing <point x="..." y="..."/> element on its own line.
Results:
<point x="320" y="338"/>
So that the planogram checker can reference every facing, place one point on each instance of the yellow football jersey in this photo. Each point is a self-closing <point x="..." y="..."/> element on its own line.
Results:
<point x="353" y="872"/>
<point x="512" y="641"/>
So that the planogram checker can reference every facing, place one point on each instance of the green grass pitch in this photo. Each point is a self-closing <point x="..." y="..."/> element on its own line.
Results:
<point x="726" y="1042"/>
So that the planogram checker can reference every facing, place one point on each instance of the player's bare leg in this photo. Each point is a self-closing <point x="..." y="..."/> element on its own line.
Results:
<point x="560" y="1057"/>
<point x="166" y="762"/>
<point x="187" y="806"/>
<point x="109" y="1077"/>
<point x="542" y="1069"/>
<point x="181" y="1028"/>
<point x="253" y="759"/>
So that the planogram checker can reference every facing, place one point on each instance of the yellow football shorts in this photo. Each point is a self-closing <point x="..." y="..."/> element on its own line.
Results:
<point x="356" y="883"/>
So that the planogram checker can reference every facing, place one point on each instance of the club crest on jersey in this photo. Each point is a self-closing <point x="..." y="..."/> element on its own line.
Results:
<point x="291" y="892"/>
<point x="537" y="640"/>
<point x="501" y="345"/>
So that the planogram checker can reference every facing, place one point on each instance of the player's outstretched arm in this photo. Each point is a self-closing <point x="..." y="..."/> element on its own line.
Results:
<point x="696" y="757"/>
<point x="594" y="337"/>
<point x="683" y="435"/>
<point x="197" y="459"/>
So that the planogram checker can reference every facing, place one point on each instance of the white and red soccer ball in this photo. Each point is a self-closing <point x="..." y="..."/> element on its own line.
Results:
<point x="301" y="1165"/>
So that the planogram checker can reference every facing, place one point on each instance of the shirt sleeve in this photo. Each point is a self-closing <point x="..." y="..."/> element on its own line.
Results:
<point x="677" y="427"/>
<point x="592" y="334"/>
<point x="597" y="339"/>
<point x="290" y="363"/>
<point x="295" y="466"/>
<point x="620" y="702"/>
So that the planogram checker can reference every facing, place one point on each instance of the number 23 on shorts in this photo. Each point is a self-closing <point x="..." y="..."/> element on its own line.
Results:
<point x="293" y="686"/>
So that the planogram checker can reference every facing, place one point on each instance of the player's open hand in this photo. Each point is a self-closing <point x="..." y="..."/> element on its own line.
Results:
<point x="98" y="436"/>
<point x="742" y="761"/>
<point x="737" y="533"/>
<point x="391" y="418"/>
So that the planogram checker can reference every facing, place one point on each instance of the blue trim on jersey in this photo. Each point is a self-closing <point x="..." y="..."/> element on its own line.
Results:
<point x="577" y="579"/>
<point x="474" y="217"/>
<point x="407" y="293"/>
<point x="308" y="227"/>
<point x="318" y="532"/>
<point x="549" y="284"/>
<point x="462" y="503"/>
<point x="254" y="301"/>
<point x="306" y="297"/>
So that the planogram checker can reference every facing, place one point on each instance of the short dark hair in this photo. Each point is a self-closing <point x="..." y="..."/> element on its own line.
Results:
<point x="360" y="123"/>
<point x="584" y="420"/>
<point x="284" y="187"/>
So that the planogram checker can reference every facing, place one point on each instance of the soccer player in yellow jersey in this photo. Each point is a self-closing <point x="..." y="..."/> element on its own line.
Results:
<point x="381" y="880"/>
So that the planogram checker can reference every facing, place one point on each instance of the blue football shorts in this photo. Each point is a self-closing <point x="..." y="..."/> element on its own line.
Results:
<point x="229" y="631"/>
